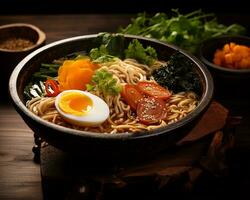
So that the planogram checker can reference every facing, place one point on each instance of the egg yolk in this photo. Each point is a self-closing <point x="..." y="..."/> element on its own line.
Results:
<point x="75" y="103"/>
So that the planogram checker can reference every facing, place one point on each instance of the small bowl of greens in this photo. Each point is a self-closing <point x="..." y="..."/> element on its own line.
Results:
<point x="111" y="97"/>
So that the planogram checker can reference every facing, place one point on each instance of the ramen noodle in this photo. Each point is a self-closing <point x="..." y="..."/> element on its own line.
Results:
<point x="121" y="117"/>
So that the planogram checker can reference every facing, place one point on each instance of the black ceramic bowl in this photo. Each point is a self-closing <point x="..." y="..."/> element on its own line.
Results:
<point x="11" y="56"/>
<point x="111" y="147"/>
<point x="226" y="80"/>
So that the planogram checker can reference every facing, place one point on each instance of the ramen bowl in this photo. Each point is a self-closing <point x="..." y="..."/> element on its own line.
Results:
<point x="122" y="147"/>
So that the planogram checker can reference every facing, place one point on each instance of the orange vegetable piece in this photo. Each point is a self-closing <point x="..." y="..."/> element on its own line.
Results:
<point x="233" y="55"/>
<point x="75" y="74"/>
<point x="226" y="48"/>
<point x="229" y="60"/>
<point x="218" y="57"/>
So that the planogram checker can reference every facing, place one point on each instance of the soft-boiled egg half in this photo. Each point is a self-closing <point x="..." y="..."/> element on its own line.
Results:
<point x="81" y="108"/>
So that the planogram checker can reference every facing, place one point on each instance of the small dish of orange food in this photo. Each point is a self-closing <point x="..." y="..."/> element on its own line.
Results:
<point x="226" y="55"/>
<point x="233" y="55"/>
<point x="228" y="59"/>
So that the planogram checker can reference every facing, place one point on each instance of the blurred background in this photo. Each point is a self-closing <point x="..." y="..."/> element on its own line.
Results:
<point x="119" y="6"/>
<point x="227" y="12"/>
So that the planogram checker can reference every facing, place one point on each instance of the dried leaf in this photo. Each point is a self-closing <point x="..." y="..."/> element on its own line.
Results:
<point x="213" y="120"/>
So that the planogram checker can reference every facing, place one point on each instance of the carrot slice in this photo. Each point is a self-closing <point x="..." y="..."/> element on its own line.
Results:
<point x="76" y="74"/>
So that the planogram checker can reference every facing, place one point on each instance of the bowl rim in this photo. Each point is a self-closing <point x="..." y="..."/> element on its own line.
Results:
<point x="41" y="36"/>
<point x="203" y="104"/>
<point x="227" y="38"/>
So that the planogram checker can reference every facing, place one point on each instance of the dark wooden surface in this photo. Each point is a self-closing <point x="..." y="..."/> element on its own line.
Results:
<point x="20" y="176"/>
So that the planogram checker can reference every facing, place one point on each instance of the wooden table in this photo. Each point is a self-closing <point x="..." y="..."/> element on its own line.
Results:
<point x="19" y="175"/>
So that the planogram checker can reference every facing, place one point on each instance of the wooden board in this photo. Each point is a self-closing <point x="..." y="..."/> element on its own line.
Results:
<point x="63" y="170"/>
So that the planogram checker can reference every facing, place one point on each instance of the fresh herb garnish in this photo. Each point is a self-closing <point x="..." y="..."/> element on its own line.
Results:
<point x="186" y="31"/>
<point x="178" y="75"/>
<point x="100" y="55"/>
<point x="113" y="45"/>
<point x="143" y="55"/>
<point x="104" y="82"/>
<point x="46" y="71"/>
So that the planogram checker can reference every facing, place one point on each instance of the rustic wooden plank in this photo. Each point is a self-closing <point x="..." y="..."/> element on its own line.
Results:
<point x="19" y="175"/>
<point x="59" y="27"/>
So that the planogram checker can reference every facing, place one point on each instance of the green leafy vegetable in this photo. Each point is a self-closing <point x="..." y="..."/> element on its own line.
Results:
<point x="98" y="52"/>
<point x="214" y="29"/>
<point x="46" y="71"/>
<point x="143" y="55"/>
<point x="33" y="90"/>
<point x="186" y="31"/>
<point x="104" y="82"/>
<point x="113" y="45"/>
<point x="178" y="75"/>
<point x="101" y="55"/>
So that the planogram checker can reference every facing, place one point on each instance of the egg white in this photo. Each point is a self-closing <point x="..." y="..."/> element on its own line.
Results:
<point x="94" y="117"/>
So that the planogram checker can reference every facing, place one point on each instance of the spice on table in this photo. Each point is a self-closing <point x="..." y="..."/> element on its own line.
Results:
<point x="15" y="44"/>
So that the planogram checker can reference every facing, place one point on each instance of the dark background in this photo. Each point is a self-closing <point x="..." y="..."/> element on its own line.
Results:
<point x="119" y="6"/>
<point x="226" y="11"/>
<point x="19" y="176"/>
